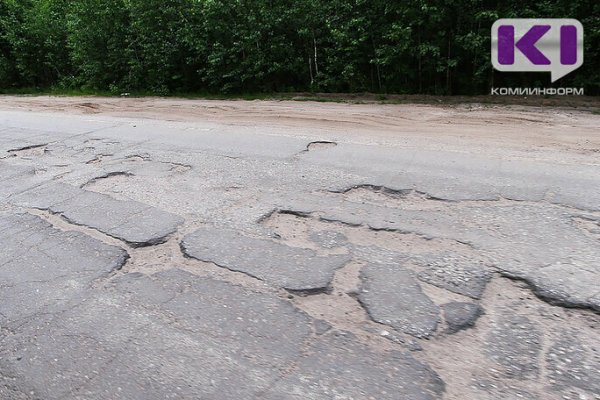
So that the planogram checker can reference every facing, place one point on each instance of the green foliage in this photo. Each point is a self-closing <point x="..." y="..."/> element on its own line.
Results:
<point x="98" y="38"/>
<point x="235" y="46"/>
<point x="36" y="36"/>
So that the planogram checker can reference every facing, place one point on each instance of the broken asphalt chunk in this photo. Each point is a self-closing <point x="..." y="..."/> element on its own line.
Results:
<point x="460" y="316"/>
<point x="291" y="268"/>
<point x="392" y="297"/>
<point x="43" y="268"/>
<point x="134" y="223"/>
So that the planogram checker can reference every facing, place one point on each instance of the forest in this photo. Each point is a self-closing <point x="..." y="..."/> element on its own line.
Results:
<point x="164" y="47"/>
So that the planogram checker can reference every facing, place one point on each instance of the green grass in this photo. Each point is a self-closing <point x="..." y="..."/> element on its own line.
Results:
<point x="33" y="91"/>
<point x="592" y="104"/>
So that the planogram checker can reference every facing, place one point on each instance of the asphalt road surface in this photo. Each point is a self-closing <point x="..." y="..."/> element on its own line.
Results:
<point x="170" y="249"/>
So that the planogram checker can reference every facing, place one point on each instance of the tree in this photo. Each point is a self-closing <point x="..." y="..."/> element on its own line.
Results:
<point x="98" y="39"/>
<point x="38" y="38"/>
<point x="167" y="46"/>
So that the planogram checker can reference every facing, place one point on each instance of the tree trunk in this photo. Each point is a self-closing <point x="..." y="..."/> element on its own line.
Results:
<point x="316" y="57"/>
<point x="448" y="89"/>
<point x="420" y="73"/>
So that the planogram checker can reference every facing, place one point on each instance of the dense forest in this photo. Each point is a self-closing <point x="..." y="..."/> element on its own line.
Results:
<point x="236" y="46"/>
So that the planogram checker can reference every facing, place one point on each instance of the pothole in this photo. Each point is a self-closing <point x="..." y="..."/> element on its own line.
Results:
<point x="404" y="251"/>
<point x="162" y="257"/>
<point x="109" y="176"/>
<point x="168" y="255"/>
<point x="512" y="339"/>
<point x="99" y="159"/>
<point x="342" y="311"/>
<point x="37" y="150"/>
<point x="339" y="308"/>
<point x="137" y="158"/>
<point x="60" y="223"/>
<point x="330" y="237"/>
<point x="179" y="168"/>
<point x="320" y="145"/>
<point x="383" y="196"/>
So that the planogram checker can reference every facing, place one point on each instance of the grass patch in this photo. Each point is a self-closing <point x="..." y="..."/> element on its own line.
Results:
<point x="33" y="91"/>
<point x="591" y="104"/>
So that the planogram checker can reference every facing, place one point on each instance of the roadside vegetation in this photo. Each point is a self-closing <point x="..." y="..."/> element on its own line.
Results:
<point x="224" y="47"/>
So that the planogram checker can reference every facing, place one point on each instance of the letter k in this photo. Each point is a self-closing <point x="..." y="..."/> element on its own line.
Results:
<point x="527" y="45"/>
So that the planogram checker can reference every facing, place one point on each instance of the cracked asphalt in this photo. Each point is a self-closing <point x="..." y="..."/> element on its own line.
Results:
<point x="149" y="257"/>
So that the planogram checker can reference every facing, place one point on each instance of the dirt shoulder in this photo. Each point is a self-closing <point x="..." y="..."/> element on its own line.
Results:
<point x="558" y="134"/>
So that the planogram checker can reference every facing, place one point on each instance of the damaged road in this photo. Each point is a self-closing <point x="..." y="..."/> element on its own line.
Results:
<point x="145" y="258"/>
